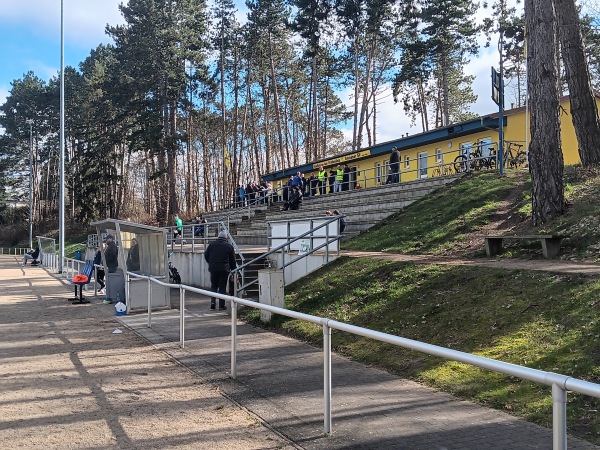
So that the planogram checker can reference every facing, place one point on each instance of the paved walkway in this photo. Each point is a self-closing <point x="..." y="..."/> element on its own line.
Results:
<point x="280" y="381"/>
<point x="68" y="382"/>
<point x="545" y="265"/>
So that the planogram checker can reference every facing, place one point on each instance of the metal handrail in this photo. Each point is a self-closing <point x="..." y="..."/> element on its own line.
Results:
<point x="17" y="251"/>
<point x="558" y="382"/>
<point x="241" y="268"/>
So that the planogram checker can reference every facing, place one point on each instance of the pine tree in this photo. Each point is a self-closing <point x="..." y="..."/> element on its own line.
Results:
<point x="153" y="47"/>
<point x="584" y="111"/>
<point x="545" y="154"/>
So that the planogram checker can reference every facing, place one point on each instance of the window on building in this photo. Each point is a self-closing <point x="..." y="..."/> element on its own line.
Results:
<point x="378" y="172"/>
<point x="465" y="148"/>
<point x="407" y="161"/>
<point x="438" y="155"/>
<point x="485" y="145"/>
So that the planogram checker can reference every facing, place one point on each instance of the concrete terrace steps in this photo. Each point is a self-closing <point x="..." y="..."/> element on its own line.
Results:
<point x="363" y="208"/>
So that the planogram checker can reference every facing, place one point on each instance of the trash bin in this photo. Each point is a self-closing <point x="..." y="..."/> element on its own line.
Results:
<point x="115" y="286"/>
<point x="78" y="256"/>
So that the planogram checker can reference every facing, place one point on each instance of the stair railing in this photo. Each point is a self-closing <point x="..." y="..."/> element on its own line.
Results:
<point x="291" y="239"/>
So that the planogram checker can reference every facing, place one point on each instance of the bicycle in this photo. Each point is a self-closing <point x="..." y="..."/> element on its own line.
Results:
<point x="442" y="170"/>
<point x="514" y="157"/>
<point x="474" y="161"/>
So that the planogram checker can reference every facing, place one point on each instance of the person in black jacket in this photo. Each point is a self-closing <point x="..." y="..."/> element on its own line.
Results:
<point x="111" y="258"/>
<point x="111" y="254"/>
<point x="133" y="257"/>
<point x="220" y="257"/>
<point x="99" y="271"/>
<point x="395" y="165"/>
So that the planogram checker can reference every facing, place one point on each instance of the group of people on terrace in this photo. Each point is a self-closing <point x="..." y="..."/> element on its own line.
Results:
<point x="253" y="193"/>
<point x="337" y="180"/>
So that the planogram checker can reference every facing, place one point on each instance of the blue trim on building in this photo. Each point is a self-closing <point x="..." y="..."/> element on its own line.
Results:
<point x="417" y="140"/>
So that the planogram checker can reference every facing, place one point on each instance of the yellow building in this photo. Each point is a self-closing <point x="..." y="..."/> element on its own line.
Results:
<point x="436" y="152"/>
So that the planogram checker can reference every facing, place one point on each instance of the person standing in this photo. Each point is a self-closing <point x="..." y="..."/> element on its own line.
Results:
<point x="199" y="227"/>
<point x="339" y="179"/>
<point x="220" y="257"/>
<point x="322" y="181"/>
<point x="346" y="183"/>
<point x="313" y="182"/>
<point x="111" y="257"/>
<point x="133" y="256"/>
<point x="111" y="254"/>
<point x="99" y="271"/>
<point x="395" y="165"/>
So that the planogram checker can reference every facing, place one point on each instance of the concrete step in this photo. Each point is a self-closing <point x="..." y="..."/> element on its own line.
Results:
<point x="363" y="208"/>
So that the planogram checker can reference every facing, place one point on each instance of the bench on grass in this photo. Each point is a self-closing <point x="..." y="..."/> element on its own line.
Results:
<point x="87" y="270"/>
<point x="550" y="243"/>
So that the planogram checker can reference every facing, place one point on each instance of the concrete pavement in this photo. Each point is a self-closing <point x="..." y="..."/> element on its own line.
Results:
<point x="280" y="381"/>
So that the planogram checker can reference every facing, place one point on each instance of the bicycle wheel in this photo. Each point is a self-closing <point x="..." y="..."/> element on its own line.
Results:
<point x="461" y="164"/>
<point x="478" y="161"/>
<point x="520" y="160"/>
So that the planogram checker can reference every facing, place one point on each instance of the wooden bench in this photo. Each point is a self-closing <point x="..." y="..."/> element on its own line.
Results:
<point x="550" y="243"/>
<point x="87" y="270"/>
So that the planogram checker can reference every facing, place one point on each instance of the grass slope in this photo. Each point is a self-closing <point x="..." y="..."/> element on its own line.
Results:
<point x="545" y="321"/>
<point x="435" y="223"/>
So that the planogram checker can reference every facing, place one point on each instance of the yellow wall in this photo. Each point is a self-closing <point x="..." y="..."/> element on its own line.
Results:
<point x="514" y="131"/>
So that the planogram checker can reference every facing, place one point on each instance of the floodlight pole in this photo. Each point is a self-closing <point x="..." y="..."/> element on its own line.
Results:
<point x="30" y="123"/>
<point x="61" y="214"/>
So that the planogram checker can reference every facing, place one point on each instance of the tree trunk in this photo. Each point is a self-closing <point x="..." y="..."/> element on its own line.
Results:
<point x="445" y="91"/>
<point x="584" y="112"/>
<point x="545" y="153"/>
<point x="276" y="101"/>
<point x="171" y="178"/>
<point x="355" y="142"/>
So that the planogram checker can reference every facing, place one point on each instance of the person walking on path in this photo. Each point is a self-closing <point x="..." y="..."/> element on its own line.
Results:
<point x="220" y="257"/>
<point x="179" y="225"/>
<point x="395" y="165"/>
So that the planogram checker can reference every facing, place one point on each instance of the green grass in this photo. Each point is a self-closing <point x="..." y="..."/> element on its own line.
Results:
<point x="436" y="222"/>
<point x="545" y="321"/>
<point x="540" y="320"/>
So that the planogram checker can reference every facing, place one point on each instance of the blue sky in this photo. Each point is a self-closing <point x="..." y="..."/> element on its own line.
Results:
<point x="30" y="40"/>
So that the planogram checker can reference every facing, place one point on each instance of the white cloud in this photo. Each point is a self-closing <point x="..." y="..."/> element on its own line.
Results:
<point x="84" y="20"/>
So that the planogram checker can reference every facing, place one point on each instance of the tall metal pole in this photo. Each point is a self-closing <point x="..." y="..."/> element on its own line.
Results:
<point x="30" y="122"/>
<point x="501" y="100"/>
<point x="61" y="214"/>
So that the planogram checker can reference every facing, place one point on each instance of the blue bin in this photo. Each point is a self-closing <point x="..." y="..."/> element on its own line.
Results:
<point x="78" y="256"/>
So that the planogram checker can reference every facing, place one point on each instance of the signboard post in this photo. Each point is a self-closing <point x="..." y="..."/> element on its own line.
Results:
<point x="498" y="97"/>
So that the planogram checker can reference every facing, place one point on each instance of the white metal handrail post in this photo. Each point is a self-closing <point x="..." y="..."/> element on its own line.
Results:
<point x="149" y="303"/>
<point x="181" y="316"/>
<point x="312" y="235"/>
<point x="559" y="418"/>
<point x="327" y="241"/>
<point x="95" y="280"/>
<point x="233" y="307"/>
<point x="327" y="378"/>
